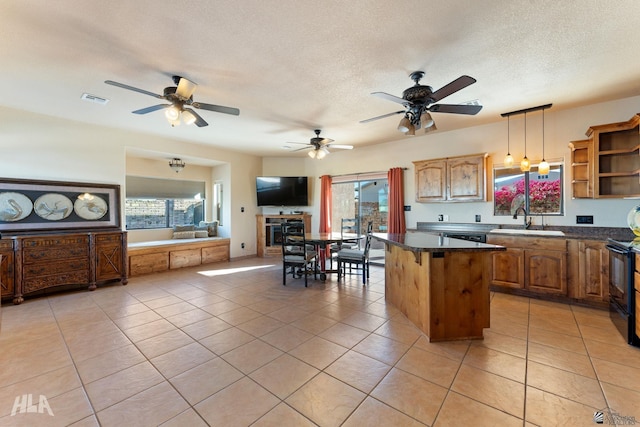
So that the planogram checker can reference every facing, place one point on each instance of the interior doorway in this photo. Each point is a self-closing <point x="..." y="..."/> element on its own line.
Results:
<point x="366" y="199"/>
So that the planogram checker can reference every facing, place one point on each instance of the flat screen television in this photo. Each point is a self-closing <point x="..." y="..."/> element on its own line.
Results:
<point x="282" y="191"/>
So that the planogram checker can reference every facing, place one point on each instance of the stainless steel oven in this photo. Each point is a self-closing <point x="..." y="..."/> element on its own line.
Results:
<point x="621" y="290"/>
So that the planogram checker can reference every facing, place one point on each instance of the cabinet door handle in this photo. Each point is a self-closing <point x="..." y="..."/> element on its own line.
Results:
<point x="617" y="250"/>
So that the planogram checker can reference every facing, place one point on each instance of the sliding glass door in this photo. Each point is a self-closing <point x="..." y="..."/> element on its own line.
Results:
<point x="367" y="200"/>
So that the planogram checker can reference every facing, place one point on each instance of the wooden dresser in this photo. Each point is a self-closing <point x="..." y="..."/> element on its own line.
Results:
<point x="37" y="263"/>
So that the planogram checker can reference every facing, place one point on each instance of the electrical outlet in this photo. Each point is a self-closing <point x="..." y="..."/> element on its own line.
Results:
<point x="478" y="218"/>
<point x="584" y="219"/>
<point x="242" y="245"/>
<point x="445" y="217"/>
<point x="407" y="208"/>
<point x="440" y="217"/>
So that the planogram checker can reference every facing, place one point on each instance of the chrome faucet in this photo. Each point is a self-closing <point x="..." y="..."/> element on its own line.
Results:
<point x="527" y="224"/>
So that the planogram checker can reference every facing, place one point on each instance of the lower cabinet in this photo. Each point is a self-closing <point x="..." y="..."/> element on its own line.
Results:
<point x="589" y="270"/>
<point x="507" y="267"/>
<point x="546" y="270"/>
<point x="534" y="264"/>
<point x="551" y="266"/>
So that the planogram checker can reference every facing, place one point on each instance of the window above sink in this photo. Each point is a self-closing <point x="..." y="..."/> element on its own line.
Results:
<point x="514" y="190"/>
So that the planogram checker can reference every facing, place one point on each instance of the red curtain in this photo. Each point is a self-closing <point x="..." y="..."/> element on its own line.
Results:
<point x="396" y="202"/>
<point x="326" y="206"/>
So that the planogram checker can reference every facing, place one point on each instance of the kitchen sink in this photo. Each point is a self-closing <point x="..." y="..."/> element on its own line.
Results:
<point x="523" y="232"/>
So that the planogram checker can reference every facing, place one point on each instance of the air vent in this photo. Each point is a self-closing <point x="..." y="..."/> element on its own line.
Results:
<point x="93" y="98"/>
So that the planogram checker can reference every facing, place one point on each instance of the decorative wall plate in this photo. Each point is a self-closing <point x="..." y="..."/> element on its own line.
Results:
<point x="14" y="206"/>
<point x="91" y="207"/>
<point x="53" y="206"/>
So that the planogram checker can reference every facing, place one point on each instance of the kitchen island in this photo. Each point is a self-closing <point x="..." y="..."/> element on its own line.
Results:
<point x="441" y="284"/>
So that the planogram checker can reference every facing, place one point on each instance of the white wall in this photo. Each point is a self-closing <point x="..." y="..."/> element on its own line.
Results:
<point x="35" y="146"/>
<point x="561" y="127"/>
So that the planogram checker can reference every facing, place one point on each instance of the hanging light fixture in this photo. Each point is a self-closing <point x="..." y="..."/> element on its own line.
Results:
<point x="525" y="164"/>
<point x="176" y="164"/>
<point x="508" y="159"/>
<point x="543" y="167"/>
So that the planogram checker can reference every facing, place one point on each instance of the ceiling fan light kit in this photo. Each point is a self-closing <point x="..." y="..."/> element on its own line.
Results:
<point x="320" y="146"/>
<point x="179" y="96"/>
<point x="419" y="100"/>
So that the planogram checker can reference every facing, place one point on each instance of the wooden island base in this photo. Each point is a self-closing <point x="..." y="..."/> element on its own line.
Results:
<point x="445" y="294"/>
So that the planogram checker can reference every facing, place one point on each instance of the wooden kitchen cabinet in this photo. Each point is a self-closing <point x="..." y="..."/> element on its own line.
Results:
<point x="536" y="265"/>
<point x="452" y="179"/>
<point x="582" y="169"/>
<point x="431" y="181"/>
<point x="607" y="165"/>
<point x="546" y="271"/>
<point x="589" y="271"/>
<point x="508" y="268"/>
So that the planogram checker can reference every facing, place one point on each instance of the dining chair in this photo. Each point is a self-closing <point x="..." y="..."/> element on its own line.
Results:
<point x="356" y="257"/>
<point x="348" y="227"/>
<point x="297" y="255"/>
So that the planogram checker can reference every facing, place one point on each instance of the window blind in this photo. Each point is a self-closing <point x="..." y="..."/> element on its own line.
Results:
<point x="158" y="188"/>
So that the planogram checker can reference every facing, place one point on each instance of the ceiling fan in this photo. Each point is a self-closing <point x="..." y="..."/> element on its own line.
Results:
<point x="179" y="97"/>
<point x="419" y="100"/>
<point x="320" y="146"/>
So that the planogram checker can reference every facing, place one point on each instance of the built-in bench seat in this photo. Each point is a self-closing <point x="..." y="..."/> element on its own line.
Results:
<point x="162" y="255"/>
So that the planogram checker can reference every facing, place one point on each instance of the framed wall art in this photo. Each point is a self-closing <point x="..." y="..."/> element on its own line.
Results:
<point x="28" y="205"/>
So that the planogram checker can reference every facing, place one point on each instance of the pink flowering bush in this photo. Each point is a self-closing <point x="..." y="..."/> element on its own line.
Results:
<point x="544" y="196"/>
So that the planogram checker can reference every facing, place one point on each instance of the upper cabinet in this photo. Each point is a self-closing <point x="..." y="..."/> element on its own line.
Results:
<point x="452" y="179"/>
<point x="607" y="165"/>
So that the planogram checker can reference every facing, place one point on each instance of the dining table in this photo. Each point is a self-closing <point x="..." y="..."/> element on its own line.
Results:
<point x="322" y="241"/>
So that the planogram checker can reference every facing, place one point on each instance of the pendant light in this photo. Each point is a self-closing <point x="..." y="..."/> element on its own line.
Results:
<point x="508" y="159"/>
<point x="525" y="164"/>
<point x="543" y="167"/>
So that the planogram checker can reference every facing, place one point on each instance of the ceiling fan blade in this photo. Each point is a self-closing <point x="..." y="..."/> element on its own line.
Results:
<point x="200" y="122"/>
<point x="135" y="89"/>
<point x="341" y="147"/>
<point x="454" y="86"/>
<point x="325" y="141"/>
<point x="303" y="148"/>
<point x="381" y="117"/>
<point x="216" y="108"/>
<point x="392" y="98"/>
<point x="185" y="88"/>
<point x="151" y="109"/>
<point x="456" y="108"/>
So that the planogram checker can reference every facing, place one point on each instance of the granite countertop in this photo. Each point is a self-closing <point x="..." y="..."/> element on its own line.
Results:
<point x="427" y="242"/>
<point x="569" y="232"/>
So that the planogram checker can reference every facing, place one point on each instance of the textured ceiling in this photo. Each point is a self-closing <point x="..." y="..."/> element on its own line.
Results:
<point x="294" y="65"/>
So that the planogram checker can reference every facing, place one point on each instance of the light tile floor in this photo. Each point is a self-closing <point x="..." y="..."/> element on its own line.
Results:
<point x="228" y="345"/>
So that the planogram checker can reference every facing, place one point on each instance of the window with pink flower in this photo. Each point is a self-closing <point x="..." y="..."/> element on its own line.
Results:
<point x="537" y="194"/>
